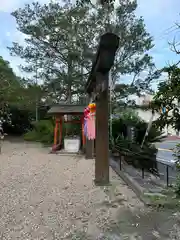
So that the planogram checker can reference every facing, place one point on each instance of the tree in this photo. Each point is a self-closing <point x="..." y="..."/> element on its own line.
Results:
<point x="168" y="98"/>
<point x="9" y="87"/>
<point x="31" y="93"/>
<point x="62" y="39"/>
<point x="15" y="93"/>
<point x="9" y="83"/>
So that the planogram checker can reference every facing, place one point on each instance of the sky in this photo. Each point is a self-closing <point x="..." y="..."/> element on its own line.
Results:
<point x="160" y="17"/>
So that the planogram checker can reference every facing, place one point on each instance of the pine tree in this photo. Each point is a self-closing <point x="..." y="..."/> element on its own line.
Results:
<point x="62" y="39"/>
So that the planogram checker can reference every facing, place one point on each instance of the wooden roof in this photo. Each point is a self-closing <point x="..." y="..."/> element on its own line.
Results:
<point x="66" y="109"/>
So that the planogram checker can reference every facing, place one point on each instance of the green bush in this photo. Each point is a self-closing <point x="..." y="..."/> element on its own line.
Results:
<point x="154" y="135"/>
<point x="18" y="120"/>
<point x="177" y="158"/>
<point x="140" y="158"/>
<point x="43" y="131"/>
<point x="72" y="129"/>
<point x="135" y="155"/>
<point x="120" y="128"/>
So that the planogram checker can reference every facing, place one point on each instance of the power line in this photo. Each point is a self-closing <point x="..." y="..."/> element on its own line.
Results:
<point x="167" y="31"/>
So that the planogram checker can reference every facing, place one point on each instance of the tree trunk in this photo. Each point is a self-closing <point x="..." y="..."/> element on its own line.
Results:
<point x="69" y="95"/>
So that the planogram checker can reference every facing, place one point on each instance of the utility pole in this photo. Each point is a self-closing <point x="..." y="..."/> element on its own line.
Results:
<point x="148" y="128"/>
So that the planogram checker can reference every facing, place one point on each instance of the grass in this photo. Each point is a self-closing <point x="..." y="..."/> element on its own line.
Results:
<point x="80" y="235"/>
<point x="166" y="199"/>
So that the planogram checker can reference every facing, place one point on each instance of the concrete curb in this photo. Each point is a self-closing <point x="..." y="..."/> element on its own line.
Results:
<point x="143" y="195"/>
<point x="138" y="190"/>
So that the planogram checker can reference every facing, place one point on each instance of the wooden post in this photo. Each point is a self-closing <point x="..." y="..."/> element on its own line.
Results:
<point x="56" y="132"/>
<point x="83" y="136"/>
<point x="97" y="87"/>
<point x="89" y="149"/>
<point x="60" y="131"/>
<point x="102" y="137"/>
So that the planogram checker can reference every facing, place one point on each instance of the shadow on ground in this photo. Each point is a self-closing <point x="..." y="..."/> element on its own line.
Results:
<point x="148" y="225"/>
<point x="14" y="139"/>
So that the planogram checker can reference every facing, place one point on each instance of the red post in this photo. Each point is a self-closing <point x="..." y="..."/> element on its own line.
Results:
<point x="55" y="132"/>
<point x="60" y="131"/>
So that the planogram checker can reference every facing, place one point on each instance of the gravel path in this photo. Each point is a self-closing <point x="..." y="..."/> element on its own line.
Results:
<point x="52" y="197"/>
<point x="45" y="196"/>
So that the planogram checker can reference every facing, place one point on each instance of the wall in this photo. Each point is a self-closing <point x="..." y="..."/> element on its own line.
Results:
<point x="145" y="99"/>
<point x="146" y="116"/>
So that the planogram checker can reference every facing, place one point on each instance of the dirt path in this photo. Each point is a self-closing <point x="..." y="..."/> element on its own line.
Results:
<point x="45" y="196"/>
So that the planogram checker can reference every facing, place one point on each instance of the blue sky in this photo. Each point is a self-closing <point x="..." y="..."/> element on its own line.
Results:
<point x="159" y="15"/>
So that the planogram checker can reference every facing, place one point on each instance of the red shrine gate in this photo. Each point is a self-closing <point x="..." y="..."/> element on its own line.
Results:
<point x="59" y="111"/>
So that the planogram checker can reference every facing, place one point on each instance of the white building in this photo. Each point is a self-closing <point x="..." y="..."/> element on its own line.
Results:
<point x="147" y="114"/>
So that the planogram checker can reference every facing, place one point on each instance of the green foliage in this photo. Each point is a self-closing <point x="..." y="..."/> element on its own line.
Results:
<point x="43" y="131"/>
<point x="168" y="96"/>
<point x="30" y="95"/>
<point x="62" y="39"/>
<point x="122" y="120"/>
<point x="72" y="129"/>
<point x="17" y="99"/>
<point x="9" y="83"/>
<point x="141" y="158"/>
<point x="177" y="185"/>
<point x="154" y="135"/>
<point x="135" y="155"/>
<point x="20" y="121"/>
<point x="177" y="158"/>
<point x="129" y="118"/>
<point x="9" y="88"/>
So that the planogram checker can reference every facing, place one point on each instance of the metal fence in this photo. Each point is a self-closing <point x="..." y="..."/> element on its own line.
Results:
<point x="166" y="171"/>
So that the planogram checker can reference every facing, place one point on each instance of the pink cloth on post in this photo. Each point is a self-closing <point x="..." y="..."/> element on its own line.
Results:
<point x="91" y="126"/>
<point x="93" y="133"/>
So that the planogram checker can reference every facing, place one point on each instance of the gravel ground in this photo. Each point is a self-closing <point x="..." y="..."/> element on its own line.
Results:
<point x="45" y="196"/>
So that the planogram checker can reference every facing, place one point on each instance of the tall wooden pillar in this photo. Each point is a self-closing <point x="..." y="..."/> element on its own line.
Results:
<point x="89" y="149"/>
<point x="60" y="130"/>
<point x="97" y="87"/>
<point x="83" y="136"/>
<point x="56" y="132"/>
<point x="102" y="137"/>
